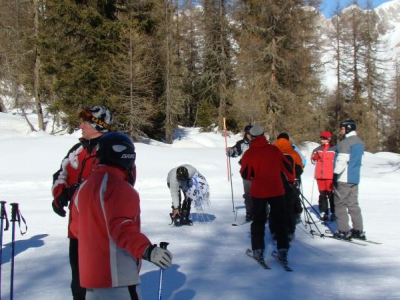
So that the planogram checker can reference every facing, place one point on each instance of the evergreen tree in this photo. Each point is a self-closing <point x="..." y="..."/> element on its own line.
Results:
<point x="275" y="54"/>
<point x="79" y="42"/>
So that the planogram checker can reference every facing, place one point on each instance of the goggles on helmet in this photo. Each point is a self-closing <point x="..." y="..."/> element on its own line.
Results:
<point x="87" y="116"/>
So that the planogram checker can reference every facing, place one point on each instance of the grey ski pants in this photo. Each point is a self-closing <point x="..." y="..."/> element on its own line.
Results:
<point x="121" y="293"/>
<point x="246" y="195"/>
<point x="346" y="203"/>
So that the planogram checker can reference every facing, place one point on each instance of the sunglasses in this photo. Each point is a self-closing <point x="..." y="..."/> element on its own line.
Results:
<point x="323" y="138"/>
<point x="87" y="116"/>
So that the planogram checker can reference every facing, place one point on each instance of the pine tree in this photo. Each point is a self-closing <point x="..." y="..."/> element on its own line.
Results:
<point x="276" y="63"/>
<point x="78" y="43"/>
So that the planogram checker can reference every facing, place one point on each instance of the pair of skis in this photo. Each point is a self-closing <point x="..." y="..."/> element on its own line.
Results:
<point x="263" y="264"/>
<point x="328" y="234"/>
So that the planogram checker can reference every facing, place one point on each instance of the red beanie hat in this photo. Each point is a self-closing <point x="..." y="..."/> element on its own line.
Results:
<point x="326" y="134"/>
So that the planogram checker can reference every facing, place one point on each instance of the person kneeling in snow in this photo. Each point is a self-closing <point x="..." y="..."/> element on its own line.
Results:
<point x="106" y="221"/>
<point x="194" y="187"/>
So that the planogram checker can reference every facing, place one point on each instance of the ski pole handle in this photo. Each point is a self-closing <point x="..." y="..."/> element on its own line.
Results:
<point x="163" y="245"/>
<point x="3" y="214"/>
<point x="14" y="212"/>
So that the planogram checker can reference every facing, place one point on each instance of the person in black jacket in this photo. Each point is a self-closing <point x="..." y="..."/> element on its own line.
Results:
<point x="238" y="150"/>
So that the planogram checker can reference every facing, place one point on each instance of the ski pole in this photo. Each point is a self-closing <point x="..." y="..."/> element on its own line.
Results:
<point x="302" y="199"/>
<point x="3" y="216"/>
<point x="312" y="191"/>
<point x="15" y="217"/>
<point x="230" y="172"/>
<point x="164" y="246"/>
<point x="14" y="213"/>
<point x="226" y="146"/>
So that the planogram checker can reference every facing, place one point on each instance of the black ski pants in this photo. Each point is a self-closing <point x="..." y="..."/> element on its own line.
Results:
<point x="278" y="216"/>
<point x="78" y="292"/>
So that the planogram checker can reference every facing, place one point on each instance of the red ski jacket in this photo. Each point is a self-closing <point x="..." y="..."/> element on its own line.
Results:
<point x="75" y="168"/>
<point x="323" y="157"/>
<point x="263" y="164"/>
<point x="106" y="220"/>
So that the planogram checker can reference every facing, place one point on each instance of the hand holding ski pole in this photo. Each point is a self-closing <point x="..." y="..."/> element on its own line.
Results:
<point x="163" y="245"/>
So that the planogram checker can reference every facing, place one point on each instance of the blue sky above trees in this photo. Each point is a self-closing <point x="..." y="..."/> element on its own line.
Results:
<point x="328" y="6"/>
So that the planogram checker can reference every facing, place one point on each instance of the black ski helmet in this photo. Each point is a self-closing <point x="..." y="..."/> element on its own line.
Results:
<point x="116" y="149"/>
<point x="247" y="128"/>
<point x="182" y="173"/>
<point x="349" y="125"/>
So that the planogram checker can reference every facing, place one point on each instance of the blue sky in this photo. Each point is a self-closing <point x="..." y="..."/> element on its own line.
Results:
<point x="328" y="6"/>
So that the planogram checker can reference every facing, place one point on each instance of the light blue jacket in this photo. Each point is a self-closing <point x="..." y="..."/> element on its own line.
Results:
<point x="348" y="158"/>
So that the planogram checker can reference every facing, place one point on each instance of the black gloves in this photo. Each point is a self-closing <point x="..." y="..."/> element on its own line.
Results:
<point x="158" y="256"/>
<point x="335" y="180"/>
<point x="72" y="189"/>
<point x="60" y="202"/>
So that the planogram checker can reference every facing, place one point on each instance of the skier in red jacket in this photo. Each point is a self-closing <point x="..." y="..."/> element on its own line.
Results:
<point x="267" y="168"/>
<point x="75" y="168"/>
<point x="106" y="221"/>
<point x="323" y="157"/>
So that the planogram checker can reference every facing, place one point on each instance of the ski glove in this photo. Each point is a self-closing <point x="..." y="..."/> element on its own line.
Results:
<point x="229" y="152"/>
<point x="335" y="180"/>
<point x="72" y="189"/>
<point x="60" y="202"/>
<point x="158" y="256"/>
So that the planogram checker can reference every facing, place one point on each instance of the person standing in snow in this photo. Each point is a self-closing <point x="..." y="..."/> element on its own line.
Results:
<point x="264" y="164"/>
<point x="194" y="187"/>
<point x="347" y="168"/>
<point x="238" y="150"/>
<point x="106" y="221"/>
<point x="75" y="168"/>
<point x="284" y="144"/>
<point x="323" y="157"/>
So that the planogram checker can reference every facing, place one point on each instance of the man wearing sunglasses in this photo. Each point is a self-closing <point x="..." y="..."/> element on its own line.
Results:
<point x="75" y="168"/>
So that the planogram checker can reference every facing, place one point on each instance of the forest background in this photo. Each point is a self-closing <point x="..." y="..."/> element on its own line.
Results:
<point x="160" y="64"/>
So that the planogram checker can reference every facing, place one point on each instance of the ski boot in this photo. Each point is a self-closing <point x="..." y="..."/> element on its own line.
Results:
<point x="258" y="255"/>
<point x="358" y="234"/>
<point x="186" y="221"/>
<point x="282" y="256"/>
<point x="176" y="220"/>
<point x="341" y="235"/>
<point x="249" y="217"/>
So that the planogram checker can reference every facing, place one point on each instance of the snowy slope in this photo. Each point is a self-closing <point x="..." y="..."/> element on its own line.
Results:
<point x="209" y="259"/>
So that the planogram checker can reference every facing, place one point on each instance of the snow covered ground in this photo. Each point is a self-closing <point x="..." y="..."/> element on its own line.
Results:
<point x="209" y="258"/>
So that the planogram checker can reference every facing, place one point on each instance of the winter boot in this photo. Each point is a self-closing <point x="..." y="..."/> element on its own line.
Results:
<point x="325" y="217"/>
<point x="282" y="256"/>
<point x="186" y="221"/>
<point x="258" y="255"/>
<point x="343" y="235"/>
<point x="249" y="217"/>
<point x="358" y="234"/>
<point x="175" y="220"/>
<point x="333" y="217"/>
<point x="186" y="212"/>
